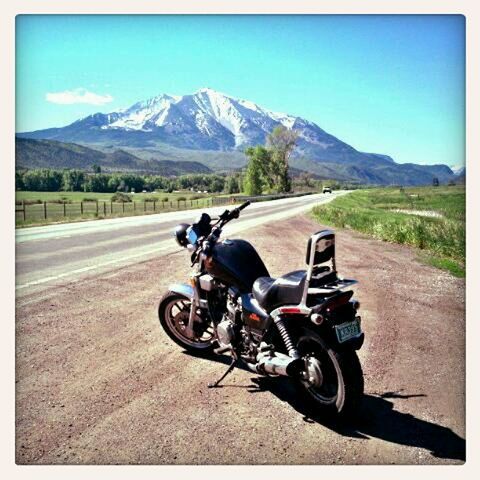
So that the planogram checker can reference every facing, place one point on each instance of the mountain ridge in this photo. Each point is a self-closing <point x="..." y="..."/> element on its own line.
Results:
<point x="31" y="153"/>
<point x="208" y="120"/>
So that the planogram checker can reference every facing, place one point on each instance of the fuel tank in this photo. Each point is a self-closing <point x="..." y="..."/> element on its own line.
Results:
<point x="236" y="263"/>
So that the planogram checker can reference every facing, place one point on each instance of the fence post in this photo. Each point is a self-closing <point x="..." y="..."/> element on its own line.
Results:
<point x="154" y="207"/>
<point x="24" y="213"/>
<point x="45" y="210"/>
<point x="81" y="208"/>
<point x="104" y="209"/>
<point x="64" y="209"/>
<point x="144" y="206"/>
<point x="134" y="205"/>
<point x="123" y="207"/>
<point x="111" y="207"/>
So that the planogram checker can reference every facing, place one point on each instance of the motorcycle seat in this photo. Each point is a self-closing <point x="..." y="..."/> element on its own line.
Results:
<point x="271" y="293"/>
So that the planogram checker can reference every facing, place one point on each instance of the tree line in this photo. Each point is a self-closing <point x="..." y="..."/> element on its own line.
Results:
<point x="73" y="180"/>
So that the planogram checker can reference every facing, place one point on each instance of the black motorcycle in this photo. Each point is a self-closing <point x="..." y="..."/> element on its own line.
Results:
<point x="303" y="325"/>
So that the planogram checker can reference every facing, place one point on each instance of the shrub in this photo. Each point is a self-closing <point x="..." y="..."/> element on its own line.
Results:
<point x="121" y="197"/>
<point x="89" y="199"/>
<point x="181" y="199"/>
<point x="165" y="199"/>
<point x="150" y="199"/>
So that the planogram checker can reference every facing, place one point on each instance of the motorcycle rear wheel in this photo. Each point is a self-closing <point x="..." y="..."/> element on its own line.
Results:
<point x="173" y="313"/>
<point x="341" y="383"/>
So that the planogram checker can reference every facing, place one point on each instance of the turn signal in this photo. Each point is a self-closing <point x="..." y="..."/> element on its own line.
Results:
<point x="317" y="319"/>
<point x="355" y="304"/>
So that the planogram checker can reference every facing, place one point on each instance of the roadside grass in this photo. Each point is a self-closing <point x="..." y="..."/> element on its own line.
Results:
<point x="441" y="239"/>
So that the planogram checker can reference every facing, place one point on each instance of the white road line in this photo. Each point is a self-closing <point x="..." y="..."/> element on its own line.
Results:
<point x="92" y="267"/>
<point x="170" y="245"/>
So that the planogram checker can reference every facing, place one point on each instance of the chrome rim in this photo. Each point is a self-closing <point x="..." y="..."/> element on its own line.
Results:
<point x="323" y="375"/>
<point x="177" y="313"/>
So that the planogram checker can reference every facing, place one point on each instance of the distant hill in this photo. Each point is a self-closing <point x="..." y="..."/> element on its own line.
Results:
<point x="31" y="153"/>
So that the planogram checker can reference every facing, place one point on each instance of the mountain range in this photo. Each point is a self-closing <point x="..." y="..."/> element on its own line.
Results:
<point x="214" y="129"/>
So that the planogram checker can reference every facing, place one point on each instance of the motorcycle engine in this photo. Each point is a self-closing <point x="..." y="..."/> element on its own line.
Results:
<point x="226" y="333"/>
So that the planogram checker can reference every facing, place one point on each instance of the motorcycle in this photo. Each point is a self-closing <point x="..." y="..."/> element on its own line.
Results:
<point x="303" y="325"/>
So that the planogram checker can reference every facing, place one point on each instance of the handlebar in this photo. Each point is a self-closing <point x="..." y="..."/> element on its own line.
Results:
<point x="244" y="205"/>
<point x="208" y="242"/>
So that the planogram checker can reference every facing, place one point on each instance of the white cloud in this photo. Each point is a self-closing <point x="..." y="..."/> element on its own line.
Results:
<point x="79" y="95"/>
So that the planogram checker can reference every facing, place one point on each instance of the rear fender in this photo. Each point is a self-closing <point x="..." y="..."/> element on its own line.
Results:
<point x="327" y="332"/>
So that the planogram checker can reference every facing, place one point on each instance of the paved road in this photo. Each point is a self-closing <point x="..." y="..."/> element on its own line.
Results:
<point x="46" y="255"/>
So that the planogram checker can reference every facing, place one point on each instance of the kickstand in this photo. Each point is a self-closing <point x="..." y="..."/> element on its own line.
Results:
<point x="229" y="369"/>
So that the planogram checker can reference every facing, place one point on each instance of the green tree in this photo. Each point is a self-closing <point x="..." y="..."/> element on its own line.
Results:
<point x="19" y="181"/>
<point x="281" y="142"/>
<point x="217" y="183"/>
<point x="264" y="163"/>
<point x="96" y="168"/>
<point x="43" y="180"/>
<point x="97" y="183"/>
<point x="253" y="183"/>
<point x="72" y="180"/>
<point x="231" y="184"/>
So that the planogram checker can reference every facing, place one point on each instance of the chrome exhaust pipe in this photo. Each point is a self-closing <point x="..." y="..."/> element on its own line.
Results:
<point x="274" y="363"/>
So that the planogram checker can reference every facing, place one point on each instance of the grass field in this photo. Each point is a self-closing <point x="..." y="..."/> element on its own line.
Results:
<point x="78" y="206"/>
<point x="429" y="218"/>
<point x="81" y="196"/>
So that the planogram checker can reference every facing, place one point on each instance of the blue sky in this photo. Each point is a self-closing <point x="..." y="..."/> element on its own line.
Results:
<point x="384" y="84"/>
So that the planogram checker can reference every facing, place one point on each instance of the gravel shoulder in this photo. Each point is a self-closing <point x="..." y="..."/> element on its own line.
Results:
<point x="98" y="382"/>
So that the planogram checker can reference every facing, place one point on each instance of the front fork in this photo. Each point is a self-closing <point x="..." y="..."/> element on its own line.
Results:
<point x="190" y="333"/>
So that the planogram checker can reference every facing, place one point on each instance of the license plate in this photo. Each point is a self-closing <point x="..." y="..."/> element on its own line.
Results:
<point x="348" y="330"/>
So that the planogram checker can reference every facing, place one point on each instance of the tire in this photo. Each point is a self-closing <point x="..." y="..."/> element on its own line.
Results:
<point x="341" y="390"/>
<point x="172" y="321"/>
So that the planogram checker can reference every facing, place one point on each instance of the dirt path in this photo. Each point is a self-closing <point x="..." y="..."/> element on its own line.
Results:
<point x="99" y="382"/>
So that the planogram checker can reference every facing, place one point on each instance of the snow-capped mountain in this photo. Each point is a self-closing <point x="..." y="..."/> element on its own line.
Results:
<point x="206" y="119"/>
<point x="458" y="169"/>
<point x="228" y="122"/>
<point x="209" y="120"/>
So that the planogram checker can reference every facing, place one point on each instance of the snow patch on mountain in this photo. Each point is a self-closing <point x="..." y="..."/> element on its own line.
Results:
<point x="458" y="169"/>
<point x="211" y="112"/>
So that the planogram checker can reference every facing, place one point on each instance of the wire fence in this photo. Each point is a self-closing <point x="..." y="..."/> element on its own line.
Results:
<point x="29" y="212"/>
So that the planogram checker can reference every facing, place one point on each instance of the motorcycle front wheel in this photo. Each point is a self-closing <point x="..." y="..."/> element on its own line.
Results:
<point x="173" y="313"/>
<point x="333" y="380"/>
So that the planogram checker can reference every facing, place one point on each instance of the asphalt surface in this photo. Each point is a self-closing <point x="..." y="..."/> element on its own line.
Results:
<point x="46" y="255"/>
